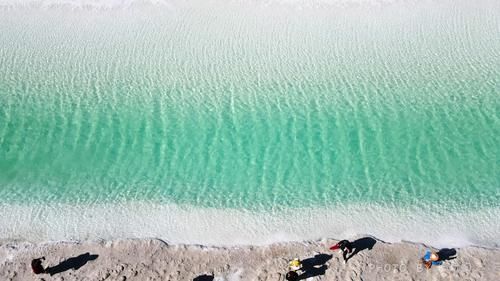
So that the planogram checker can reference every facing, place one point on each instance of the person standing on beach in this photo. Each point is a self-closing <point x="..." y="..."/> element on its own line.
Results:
<point x="37" y="267"/>
<point x="294" y="265"/>
<point x="345" y="246"/>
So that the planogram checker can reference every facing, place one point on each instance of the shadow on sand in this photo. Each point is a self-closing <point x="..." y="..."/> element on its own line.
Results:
<point x="204" y="277"/>
<point x="310" y="266"/>
<point x="72" y="263"/>
<point x="447" y="254"/>
<point x="361" y="245"/>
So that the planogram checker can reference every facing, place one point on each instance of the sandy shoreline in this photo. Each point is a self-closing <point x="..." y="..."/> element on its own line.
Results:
<point x="153" y="259"/>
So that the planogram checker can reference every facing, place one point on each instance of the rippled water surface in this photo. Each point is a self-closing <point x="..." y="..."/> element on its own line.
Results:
<point x="253" y="106"/>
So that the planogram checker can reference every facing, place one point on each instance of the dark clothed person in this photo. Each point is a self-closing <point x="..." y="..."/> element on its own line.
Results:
<point x="346" y="248"/>
<point x="36" y="266"/>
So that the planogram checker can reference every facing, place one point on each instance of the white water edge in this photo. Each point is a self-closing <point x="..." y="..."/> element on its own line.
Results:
<point x="125" y="4"/>
<point x="178" y="224"/>
<point x="173" y="5"/>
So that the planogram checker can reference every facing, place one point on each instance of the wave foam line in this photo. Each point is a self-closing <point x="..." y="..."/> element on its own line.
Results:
<point x="123" y="4"/>
<point x="81" y="4"/>
<point x="229" y="227"/>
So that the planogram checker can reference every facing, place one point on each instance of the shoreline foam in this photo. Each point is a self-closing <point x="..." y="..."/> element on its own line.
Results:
<point x="179" y="224"/>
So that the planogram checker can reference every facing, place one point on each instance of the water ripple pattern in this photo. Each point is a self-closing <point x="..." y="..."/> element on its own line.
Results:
<point x="253" y="106"/>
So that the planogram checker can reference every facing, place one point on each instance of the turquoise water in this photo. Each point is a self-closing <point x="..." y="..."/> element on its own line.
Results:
<point x="258" y="109"/>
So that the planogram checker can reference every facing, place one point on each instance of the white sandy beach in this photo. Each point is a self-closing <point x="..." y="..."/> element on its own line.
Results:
<point x="231" y="129"/>
<point x="156" y="260"/>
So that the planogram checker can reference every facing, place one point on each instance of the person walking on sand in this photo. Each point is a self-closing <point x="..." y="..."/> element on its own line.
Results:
<point x="37" y="267"/>
<point x="345" y="246"/>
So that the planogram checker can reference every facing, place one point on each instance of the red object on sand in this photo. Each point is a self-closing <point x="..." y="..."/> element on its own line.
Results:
<point x="334" y="247"/>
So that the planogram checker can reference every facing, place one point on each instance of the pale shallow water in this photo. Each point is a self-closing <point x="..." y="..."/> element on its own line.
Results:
<point x="364" y="117"/>
<point x="187" y="224"/>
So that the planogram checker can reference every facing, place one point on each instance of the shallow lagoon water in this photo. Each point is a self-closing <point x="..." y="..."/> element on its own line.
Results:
<point x="252" y="108"/>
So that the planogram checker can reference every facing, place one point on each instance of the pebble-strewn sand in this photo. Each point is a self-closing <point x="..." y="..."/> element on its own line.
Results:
<point x="156" y="260"/>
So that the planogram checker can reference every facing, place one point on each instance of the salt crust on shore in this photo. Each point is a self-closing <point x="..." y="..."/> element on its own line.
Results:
<point x="153" y="259"/>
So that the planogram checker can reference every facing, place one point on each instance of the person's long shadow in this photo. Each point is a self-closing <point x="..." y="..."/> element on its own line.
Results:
<point x="204" y="277"/>
<point x="447" y="254"/>
<point x="71" y="263"/>
<point x="309" y="266"/>
<point x="361" y="245"/>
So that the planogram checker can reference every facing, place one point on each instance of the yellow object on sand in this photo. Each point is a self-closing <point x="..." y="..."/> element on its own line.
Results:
<point x="295" y="264"/>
